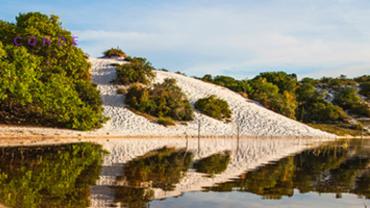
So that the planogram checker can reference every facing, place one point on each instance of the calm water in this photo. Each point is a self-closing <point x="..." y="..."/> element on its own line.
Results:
<point x="332" y="175"/>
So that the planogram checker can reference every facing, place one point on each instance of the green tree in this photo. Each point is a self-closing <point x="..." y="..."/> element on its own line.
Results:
<point x="268" y="95"/>
<point x="45" y="85"/>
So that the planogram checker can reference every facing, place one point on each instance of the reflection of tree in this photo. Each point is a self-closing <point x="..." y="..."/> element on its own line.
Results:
<point x="163" y="168"/>
<point x="362" y="186"/>
<point x="133" y="197"/>
<point x="54" y="176"/>
<point x="325" y="170"/>
<point x="271" y="181"/>
<point x="214" y="164"/>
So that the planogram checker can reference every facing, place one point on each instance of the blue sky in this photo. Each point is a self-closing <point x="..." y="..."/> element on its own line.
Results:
<point x="236" y="38"/>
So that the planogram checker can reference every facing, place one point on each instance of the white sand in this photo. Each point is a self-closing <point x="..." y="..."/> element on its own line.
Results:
<point x="253" y="119"/>
<point x="252" y="153"/>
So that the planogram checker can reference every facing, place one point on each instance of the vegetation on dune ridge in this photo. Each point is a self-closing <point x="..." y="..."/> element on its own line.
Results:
<point x="46" y="85"/>
<point x="114" y="52"/>
<point x="307" y="100"/>
<point x="139" y="70"/>
<point x="214" y="107"/>
<point x="163" y="100"/>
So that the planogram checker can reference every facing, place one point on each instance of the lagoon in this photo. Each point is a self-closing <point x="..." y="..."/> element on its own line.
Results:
<point x="186" y="173"/>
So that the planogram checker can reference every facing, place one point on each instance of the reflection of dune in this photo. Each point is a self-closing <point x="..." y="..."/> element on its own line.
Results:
<point x="251" y="154"/>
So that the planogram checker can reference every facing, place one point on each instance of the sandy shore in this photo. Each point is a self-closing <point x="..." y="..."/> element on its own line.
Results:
<point x="253" y="119"/>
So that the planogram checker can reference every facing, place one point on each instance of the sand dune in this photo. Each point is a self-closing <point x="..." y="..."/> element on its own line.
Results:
<point x="253" y="119"/>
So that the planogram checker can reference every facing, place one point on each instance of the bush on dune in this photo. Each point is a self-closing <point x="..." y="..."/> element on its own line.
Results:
<point x="45" y="85"/>
<point x="163" y="100"/>
<point x="114" y="52"/>
<point x="138" y="70"/>
<point x="214" y="107"/>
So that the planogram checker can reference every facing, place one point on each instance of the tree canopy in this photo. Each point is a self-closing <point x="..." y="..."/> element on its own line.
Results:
<point x="47" y="85"/>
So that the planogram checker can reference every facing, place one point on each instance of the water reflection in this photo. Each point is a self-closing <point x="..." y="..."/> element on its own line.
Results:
<point x="139" y="172"/>
<point x="337" y="168"/>
<point x="214" y="164"/>
<point x="48" y="176"/>
<point x="162" y="168"/>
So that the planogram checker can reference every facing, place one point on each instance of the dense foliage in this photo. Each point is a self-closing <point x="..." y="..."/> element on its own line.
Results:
<point x="163" y="100"/>
<point x="264" y="88"/>
<point x="240" y="86"/>
<point x="45" y="85"/>
<point x="138" y="70"/>
<point x="365" y="89"/>
<point x="58" y="176"/>
<point x="306" y="100"/>
<point x="312" y="106"/>
<point x="214" y="107"/>
<point x="114" y="52"/>
<point x="267" y="94"/>
<point x="348" y="99"/>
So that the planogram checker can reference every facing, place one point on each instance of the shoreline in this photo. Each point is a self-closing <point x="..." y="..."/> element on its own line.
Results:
<point x="18" y="138"/>
<point x="171" y="137"/>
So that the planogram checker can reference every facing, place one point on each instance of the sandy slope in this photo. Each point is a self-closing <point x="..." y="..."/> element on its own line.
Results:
<point x="253" y="119"/>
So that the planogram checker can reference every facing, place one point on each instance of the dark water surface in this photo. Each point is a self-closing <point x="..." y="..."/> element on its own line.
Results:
<point x="333" y="175"/>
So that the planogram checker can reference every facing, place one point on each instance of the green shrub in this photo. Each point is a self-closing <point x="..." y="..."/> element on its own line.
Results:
<point x="121" y="91"/>
<point x="114" y="64"/>
<point x="166" y="121"/>
<point x="181" y="73"/>
<point x="346" y="97"/>
<point x="138" y="70"/>
<point x="323" y="112"/>
<point x="163" y="69"/>
<point x="114" y="52"/>
<point x="361" y="109"/>
<point x="45" y="85"/>
<point x="365" y="89"/>
<point x="313" y="108"/>
<point x="357" y="126"/>
<point x="214" y="107"/>
<point x="349" y="100"/>
<point x="163" y="100"/>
